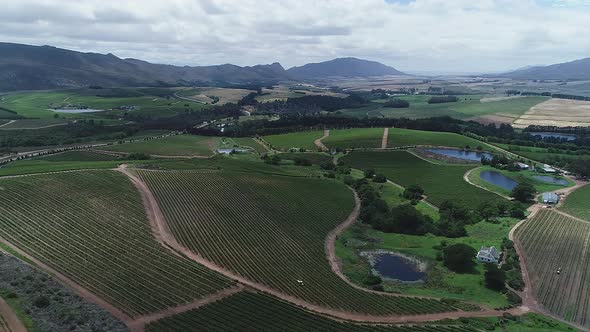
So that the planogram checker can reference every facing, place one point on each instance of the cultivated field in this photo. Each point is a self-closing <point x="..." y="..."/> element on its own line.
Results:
<point x="179" y="145"/>
<point x="271" y="230"/>
<point x="440" y="182"/>
<point x="217" y="96"/>
<point x="79" y="156"/>
<point x="406" y="137"/>
<point x="33" y="124"/>
<point x="91" y="226"/>
<point x="254" y="312"/>
<point x="557" y="112"/>
<point x="283" y="92"/>
<point x="552" y="242"/>
<point x="303" y="139"/>
<point x="577" y="202"/>
<point x="354" y="138"/>
<point x="250" y="142"/>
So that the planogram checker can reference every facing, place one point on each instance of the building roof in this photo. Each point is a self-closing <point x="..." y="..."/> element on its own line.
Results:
<point x="550" y="197"/>
<point x="489" y="252"/>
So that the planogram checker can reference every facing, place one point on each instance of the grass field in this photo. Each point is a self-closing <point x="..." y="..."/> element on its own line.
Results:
<point x="217" y="96"/>
<point x="355" y="138"/>
<point x="92" y="227"/>
<point x="33" y="124"/>
<point x="468" y="107"/>
<point x="440" y="182"/>
<point x="441" y="282"/>
<point x="37" y="104"/>
<point x="541" y="154"/>
<point x="250" y="142"/>
<point x="270" y="229"/>
<point x="406" y="137"/>
<point x="79" y="155"/>
<point x="314" y="158"/>
<point x="179" y="145"/>
<point x="576" y="203"/>
<point x="254" y="312"/>
<point x="303" y="139"/>
<point x="551" y="241"/>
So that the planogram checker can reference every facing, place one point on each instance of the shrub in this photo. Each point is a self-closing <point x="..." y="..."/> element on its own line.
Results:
<point x="379" y="178"/>
<point x="494" y="277"/>
<point x="41" y="302"/>
<point x="459" y="257"/>
<point x="397" y="103"/>
<point x="138" y="156"/>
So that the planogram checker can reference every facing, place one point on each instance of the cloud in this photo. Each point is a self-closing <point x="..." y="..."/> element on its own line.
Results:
<point x="433" y="35"/>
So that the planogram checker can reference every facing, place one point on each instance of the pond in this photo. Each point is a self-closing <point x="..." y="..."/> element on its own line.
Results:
<point x="551" y="180"/>
<point x="569" y="137"/>
<point x="76" y="110"/>
<point x="461" y="154"/>
<point x="396" y="266"/>
<point x="229" y="150"/>
<point x="498" y="179"/>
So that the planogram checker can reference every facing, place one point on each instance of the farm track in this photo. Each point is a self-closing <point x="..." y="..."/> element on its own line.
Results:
<point x="164" y="235"/>
<point x="10" y="318"/>
<point x="385" y="138"/>
<point x="318" y="142"/>
<point x="7" y="123"/>
<point x="34" y="128"/>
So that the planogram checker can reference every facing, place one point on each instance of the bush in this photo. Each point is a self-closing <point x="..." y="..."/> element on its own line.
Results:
<point x="397" y="103"/>
<point x="138" y="156"/>
<point x="413" y="192"/>
<point x="494" y="277"/>
<point x="328" y="165"/>
<point x="41" y="302"/>
<point x="459" y="257"/>
<point x="372" y="280"/>
<point x="369" y="173"/>
<point x="443" y="99"/>
<point x="379" y="178"/>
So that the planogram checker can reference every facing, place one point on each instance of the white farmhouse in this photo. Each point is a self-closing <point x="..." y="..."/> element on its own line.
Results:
<point x="488" y="255"/>
<point x="522" y="166"/>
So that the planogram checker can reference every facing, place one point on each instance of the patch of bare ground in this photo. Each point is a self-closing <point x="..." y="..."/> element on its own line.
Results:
<point x="10" y="318"/>
<point x="496" y="119"/>
<point x="318" y="142"/>
<point x="557" y="112"/>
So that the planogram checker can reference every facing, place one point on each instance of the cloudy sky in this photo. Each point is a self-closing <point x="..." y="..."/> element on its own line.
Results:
<point x="412" y="35"/>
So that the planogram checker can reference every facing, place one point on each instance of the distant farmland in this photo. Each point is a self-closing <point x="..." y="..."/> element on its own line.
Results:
<point x="557" y="112"/>
<point x="179" y="145"/>
<point x="552" y="242"/>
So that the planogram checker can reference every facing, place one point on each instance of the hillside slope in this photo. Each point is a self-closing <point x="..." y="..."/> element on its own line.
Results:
<point x="345" y="67"/>
<point x="574" y="70"/>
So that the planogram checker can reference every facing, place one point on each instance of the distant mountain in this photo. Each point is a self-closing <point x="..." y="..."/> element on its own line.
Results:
<point x="342" y="67"/>
<point x="574" y="70"/>
<point x="25" y="67"/>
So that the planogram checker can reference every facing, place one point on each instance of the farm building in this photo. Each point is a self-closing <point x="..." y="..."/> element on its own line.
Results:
<point x="488" y="255"/>
<point x="548" y="169"/>
<point x="522" y="166"/>
<point x="550" y="198"/>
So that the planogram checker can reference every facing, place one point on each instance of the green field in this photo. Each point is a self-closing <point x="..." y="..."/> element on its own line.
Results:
<point x="542" y="154"/>
<point x="406" y="137"/>
<point x="255" y="312"/>
<point x="314" y="158"/>
<point x="34" y="124"/>
<point x="251" y="143"/>
<point x="178" y="145"/>
<point x="303" y="139"/>
<point x="467" y="107"/>
<point x="146" y="101"/>
<point x="79" y="155"/>
<point x="92" y="227"/>
<point x="441" y="182"/>
<point x="441" y="282"/>
<point x="576" y="203"/>
<point x="552" y="242"/>
<point x="270" y="229"/>
<point x="354" y="138"/>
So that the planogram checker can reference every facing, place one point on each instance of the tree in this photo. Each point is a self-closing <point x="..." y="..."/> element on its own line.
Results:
<point x="379" y="178"/>
<point x="406" y="219"/>
<point x="487" y="210"/>
<point x="328" y="165"/>
<point x="369" y="173"/>
<point x="397" y="103"/>
<point x="495" y="278"/>
<point x="413" y="191"/>
<point x="523" y="192"/>
<point x="459" y="257"/>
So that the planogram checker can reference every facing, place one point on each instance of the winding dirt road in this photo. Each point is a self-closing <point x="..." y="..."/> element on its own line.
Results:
<point x="10" y="318"/>
<point x="318" y="142"/>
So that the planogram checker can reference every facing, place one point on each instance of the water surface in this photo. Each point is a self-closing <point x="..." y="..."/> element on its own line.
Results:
<point x="394" y="266"/>
<point x="76" y="110"/>
<point x="498" y="179"/>
<point x="551" y="180"/>
<point x="461" y="154"/>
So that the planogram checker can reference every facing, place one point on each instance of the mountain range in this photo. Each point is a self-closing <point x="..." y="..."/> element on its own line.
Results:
<point x="26" y="67"/>
<point x="573" y="70"/>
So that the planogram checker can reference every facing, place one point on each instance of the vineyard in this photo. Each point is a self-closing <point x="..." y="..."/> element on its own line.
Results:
<point x="576" y="203"/>
<point x="354" y="138"/>
<point x="553" y="242"/>
<point x="92" y="227"/>
<point x="79" y="156"/>
<point x="179" y="145"/>
<point x="439" y="181"/>
<point x="303" y="139"/>
<point x="406" y="137"/>
<point x="254" y="312"/>
<point x="271" y="230"/>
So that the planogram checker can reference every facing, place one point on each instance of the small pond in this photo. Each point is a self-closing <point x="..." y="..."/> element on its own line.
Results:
<point x="461" y="154"/>
<point x="569" y="137"/>
<point x="229" y="150"/>
<point x="76" y="110"/>
<point x="498" y="179"/>
<point x="396" y="266"/>
<point x="551" y="180"/>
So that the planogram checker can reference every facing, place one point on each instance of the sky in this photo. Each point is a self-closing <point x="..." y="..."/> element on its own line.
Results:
<point x="417" y="36"/>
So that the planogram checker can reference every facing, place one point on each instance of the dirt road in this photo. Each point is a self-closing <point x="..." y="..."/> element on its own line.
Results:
<point x="318" y="142"/>
<point x="466" y="178"/>
<point x="14" y="324"/>
<point x="385" y="138"/>
<point x="7" y="123"/>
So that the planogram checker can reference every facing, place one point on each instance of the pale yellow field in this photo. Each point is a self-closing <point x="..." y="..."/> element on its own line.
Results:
<point x="556" y="112"/>
<point x="282" y="92"/>
<point x="225" y="95"/>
